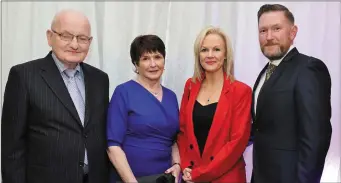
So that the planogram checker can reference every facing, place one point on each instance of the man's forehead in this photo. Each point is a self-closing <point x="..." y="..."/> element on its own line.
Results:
<point x="70" y="17"/>
<point x="272" y="18"/>
<point x="73" y="27"/>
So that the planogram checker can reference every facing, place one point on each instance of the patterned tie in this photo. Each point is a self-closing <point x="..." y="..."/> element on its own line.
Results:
<point x="271" y="68"/>
<point x="76" y="96"/>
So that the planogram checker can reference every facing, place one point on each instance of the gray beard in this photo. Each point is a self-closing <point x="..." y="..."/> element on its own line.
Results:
<point x="277" y="56"/>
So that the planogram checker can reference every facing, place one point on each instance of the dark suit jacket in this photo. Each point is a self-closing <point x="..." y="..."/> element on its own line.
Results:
<point x="42" y="138"/>
<point x="292" y="128"/>
<point x="222" y="159"/>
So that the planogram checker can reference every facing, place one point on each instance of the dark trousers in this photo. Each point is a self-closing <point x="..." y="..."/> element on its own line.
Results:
<point x="85" y="178"/>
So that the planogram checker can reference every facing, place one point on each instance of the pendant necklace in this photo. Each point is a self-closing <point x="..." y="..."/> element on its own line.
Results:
<point x="208" y="100"/>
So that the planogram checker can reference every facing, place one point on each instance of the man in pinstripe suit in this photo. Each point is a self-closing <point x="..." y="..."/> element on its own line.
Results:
<point x="54" y="112"/>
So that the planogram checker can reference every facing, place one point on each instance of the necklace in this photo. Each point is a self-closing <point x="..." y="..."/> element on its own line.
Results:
<point x="208" y="99"/>
<point x="154" y="93"/>
<point x="215" y="89"/>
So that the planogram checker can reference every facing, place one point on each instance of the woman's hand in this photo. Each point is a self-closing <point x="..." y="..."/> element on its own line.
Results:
<point x="187" y="175"/>
<point x="175" y="171"/>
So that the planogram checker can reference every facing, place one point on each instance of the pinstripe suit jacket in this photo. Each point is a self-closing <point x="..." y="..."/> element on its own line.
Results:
<point x="42" y="137"/>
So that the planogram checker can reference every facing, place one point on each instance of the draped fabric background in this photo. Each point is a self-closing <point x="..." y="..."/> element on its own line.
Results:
<point x="116" y="24"/>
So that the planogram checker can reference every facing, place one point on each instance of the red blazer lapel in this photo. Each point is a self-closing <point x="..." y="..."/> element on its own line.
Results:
<point x="190" y="106"/>
<point x="219" y="117"/>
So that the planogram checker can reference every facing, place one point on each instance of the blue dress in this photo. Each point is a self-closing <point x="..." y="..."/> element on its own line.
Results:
<point x="143" y="127"/>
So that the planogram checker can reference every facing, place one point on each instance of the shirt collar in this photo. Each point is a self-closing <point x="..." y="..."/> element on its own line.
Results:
<point x="61" y="66"/>
<point x="277" y="62"/>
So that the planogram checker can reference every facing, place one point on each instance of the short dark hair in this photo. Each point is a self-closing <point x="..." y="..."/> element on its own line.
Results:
<point x="276" y="7"/>
<point x="146" y="44"/>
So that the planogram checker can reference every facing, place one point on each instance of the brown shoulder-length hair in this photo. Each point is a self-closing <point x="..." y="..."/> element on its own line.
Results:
<point x="228" y="62"/>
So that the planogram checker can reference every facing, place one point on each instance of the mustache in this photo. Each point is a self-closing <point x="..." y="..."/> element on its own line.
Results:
<point x="270" y="44"/>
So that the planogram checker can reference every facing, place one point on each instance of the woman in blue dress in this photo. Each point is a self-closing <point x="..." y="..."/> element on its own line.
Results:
<point x="143" y="118"/>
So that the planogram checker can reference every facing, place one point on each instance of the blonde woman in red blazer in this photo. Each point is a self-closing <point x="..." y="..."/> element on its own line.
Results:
<point x="215" y="117"/>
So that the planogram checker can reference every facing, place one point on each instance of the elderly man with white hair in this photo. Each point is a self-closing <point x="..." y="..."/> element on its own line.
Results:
<point x="54" y="112"/>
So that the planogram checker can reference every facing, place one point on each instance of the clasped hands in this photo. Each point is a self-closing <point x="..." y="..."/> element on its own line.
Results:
<point x="187" y="175"/>
<point x="175" y="171"/>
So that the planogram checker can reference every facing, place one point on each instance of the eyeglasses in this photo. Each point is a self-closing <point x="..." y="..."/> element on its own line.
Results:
<point x="69" y="37"/>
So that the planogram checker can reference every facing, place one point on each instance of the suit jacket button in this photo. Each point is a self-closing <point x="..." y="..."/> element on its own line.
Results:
<point x="211" y="158"/>
<point x="192" y="163"/>
<point x="85" y="135"/>
<point x="191" y="146"/>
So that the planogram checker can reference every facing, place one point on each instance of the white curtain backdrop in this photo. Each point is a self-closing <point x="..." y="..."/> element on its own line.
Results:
<point x="116" y="24"/>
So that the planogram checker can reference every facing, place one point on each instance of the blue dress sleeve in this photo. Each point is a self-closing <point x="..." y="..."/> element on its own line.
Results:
<point x="117" y="118"/>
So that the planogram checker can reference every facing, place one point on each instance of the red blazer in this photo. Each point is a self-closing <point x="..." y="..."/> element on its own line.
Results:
<point x="222" y="159"/>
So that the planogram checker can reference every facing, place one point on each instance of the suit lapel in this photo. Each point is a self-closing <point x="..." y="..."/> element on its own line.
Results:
<point x="274" y="77"/>
<point x="89" y="91"/>
<point x="54" y="80"/>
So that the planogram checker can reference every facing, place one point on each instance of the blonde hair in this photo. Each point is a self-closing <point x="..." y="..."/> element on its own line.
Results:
<point x="228" y="62"/>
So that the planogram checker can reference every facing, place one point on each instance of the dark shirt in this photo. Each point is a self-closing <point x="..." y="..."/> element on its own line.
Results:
<point x="202" y="121"/>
